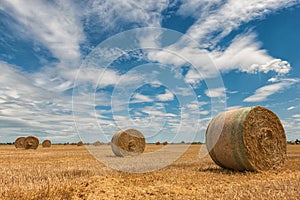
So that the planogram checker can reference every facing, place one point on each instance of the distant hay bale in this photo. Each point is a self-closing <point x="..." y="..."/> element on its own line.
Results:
<point x="31" y="142"/>
<point x="157" y="143"/>
<point x="19" y="143"/>
<point x="128" y="142"/>
<point x="46" y="143"/>
<point x="165" y="143"/>
<point x="193" y="143"/>
<point x="80" y="143"/>
<point x="97" y="143"/>
<point x="249" y="138"/>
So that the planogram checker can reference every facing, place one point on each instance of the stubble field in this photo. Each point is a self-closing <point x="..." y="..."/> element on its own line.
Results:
<point x="71" y="172"/>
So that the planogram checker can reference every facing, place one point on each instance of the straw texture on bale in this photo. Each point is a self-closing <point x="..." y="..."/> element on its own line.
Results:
<point x="128" y="142"/>
<point x="250" y="138"/>
<point x="31" y="142"/>
<point x="19" y="143"/>
<point x="46" y="143"/>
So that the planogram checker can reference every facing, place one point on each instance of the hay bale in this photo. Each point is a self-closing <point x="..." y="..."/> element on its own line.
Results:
<point x="165" y="143"/>
<point x="80" y="143"/>
<point x="249" y="138"/>
<point x="97" y="143"/>
<point x="157" y="143"/>
<point x="19" y="142"/>
<point x="31" y="142"/>
<point x="128" y="142"/>
<point x="46" y="143"/>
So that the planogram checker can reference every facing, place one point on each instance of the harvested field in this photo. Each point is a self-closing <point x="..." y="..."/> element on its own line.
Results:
<point x="70" y="172"/>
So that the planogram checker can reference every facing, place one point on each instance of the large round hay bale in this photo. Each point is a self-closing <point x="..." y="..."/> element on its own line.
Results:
<point x="250" y="138"/>
<point x="46" y="143"/>
<point x="19" y="143"/>
<point x="128" y="142"/>
<point x="31" y="142"/>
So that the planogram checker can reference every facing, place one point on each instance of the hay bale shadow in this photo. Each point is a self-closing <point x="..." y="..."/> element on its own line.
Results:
<point x="219" y="170"/>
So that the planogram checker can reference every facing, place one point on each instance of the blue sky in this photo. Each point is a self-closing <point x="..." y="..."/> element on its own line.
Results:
<point x="74" y="70"/>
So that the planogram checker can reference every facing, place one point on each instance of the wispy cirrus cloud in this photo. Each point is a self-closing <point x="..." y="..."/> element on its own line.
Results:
<point x="262" y="94"/>
<point x="105" y="15"/>
<point x="210" y="29"/>
<point x="218" y="20"/>
<point x="199" y="9"/>
<point x="55" y="25"/>
<point x="28" y="108"/>
<point x="243" y="54"/>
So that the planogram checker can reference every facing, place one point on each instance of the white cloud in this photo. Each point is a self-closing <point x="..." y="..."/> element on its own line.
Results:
<point x="138" y="98"/>
<point x="233" y="107"/>
<point x="273" y="80"/>
<point x="184" y="91"/>
<point x="216" y="21"/>
<point x="112" y="13"/>
<point x="36" y="104"/>
<point x="167" y="96"/>
<point x="193" y="105"/>
<point x="57" y="26"/>
<point x="196" y="105"/>
<point x="296" y="116"/>
<point x="26" y="107"/>
<point x="291" y="126"/>
<point x="245" y="54"/>
<point x="95" y="76"/>
<point x="215" y="92"/>
<point x="261" y="94"/>
<point x="198" y="8"/>
<point x="291" y="108"/>
<point x="157" y="113"/>
<point x="204" y="112"/>
<point x="193" y="76"/>
<point x="210" y="29"/>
